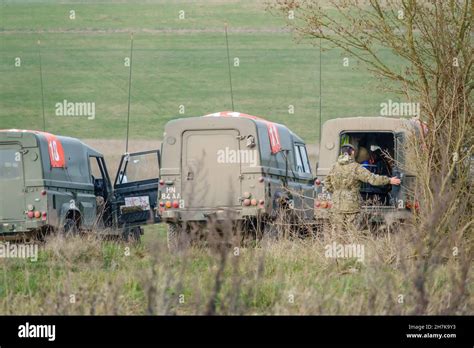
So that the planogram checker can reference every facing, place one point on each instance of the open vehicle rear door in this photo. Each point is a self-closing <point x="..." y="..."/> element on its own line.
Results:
<point x="12" y="182"/>
<point x="402" y="170"/>
<point x="136" y="187"/>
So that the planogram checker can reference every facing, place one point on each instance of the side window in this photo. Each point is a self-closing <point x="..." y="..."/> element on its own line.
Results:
<point x="138" y="167"/>
<point x="95" y="170"/>
<point x="10" y="164"/>
<point x="299" y="162"/>
<point x="305" y="159"/>
<point x="302" y="161"/>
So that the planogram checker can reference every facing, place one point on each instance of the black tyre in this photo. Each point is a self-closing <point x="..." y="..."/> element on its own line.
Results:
<point x="70" y="227"/>
<point x="132" y="235"/>
<point x="271" y="231"/>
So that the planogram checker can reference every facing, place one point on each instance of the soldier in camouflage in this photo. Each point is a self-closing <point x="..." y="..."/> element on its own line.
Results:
<point x="343" y="182"/>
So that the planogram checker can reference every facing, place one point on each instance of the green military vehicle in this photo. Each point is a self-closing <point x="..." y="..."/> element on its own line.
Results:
<point x="230" y="166"/>
<point x="50" y="182"/>
<point x="381" y="148"/>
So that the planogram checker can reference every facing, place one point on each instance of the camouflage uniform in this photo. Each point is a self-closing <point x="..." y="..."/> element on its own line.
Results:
<point x="343" y="182"/>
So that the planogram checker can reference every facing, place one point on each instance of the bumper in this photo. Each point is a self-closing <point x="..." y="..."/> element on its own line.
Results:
<point x="239" y="213"/>
<point x="20" y="226"/>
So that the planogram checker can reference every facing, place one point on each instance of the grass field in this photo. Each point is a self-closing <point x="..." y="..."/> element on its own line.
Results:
<point x="183" y="62"/>
<point x="175" y="62"/>
<point x="84" y="276"/>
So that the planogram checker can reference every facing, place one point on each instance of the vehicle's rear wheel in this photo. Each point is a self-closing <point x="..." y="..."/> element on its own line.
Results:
<point x="395" y="226"/>
<point x="177" y="238"/>
<point x="132" y="235"/>
<point x="249" y="232"/>
<point x="271" y="232"/>
<point x="70" y="227"/>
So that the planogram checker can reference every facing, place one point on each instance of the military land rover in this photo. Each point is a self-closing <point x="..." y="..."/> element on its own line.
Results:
<point x="232" y="166"/>
<point x="381" y="144"/>
<point x="50" y="182"/>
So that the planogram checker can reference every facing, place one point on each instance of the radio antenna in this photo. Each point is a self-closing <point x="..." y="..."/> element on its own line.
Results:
<point x="228" y="64"/>
<point x="41" y="81"/>
<point x="129" y="90"/>
<point x="320" y="92"/>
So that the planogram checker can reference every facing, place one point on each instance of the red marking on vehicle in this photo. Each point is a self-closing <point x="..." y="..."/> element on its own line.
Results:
<point x="272" y="128"/>
<point x="56" y="151"/>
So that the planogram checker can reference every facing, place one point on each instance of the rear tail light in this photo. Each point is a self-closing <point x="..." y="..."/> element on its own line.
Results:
<point x="317" y="182"/>
<point x="412" y="205"/>
<point x="323" y="204"/>
<point x="175" y="204"/>
<point x="44" y="215"/>
<point x="246" y="202"/>
<point x="261" y="202"/>
<point x="37" y="214"/>
<point x="162" y="182"/>
<point x="168" y="204"/>
<point x="30" y="214"/>
<point x="253" y="202"/>
<point x="43" y="193"/>
<point x="162" y="204"/>
<point x="261" y="179"/>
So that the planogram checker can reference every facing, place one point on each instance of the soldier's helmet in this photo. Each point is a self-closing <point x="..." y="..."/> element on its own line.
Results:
<point x="348" y="149"/>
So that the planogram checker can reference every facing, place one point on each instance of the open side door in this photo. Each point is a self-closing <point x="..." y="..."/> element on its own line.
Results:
<point x="136" y="187"/>
<point x="399" y="193"/>
<point x="99" y="211"/>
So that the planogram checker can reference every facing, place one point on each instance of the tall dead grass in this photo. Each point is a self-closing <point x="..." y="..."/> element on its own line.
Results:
<point x="86" y="276"/>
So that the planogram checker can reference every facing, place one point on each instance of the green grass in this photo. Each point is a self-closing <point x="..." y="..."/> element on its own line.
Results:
<point x="137" y="14"/>
<point x="170" y="69"/>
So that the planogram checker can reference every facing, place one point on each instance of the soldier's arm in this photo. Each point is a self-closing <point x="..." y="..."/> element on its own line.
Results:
<point x="366" y="176"/>
<point x="328" y="183"/>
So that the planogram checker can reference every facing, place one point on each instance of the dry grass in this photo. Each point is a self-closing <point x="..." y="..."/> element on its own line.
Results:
<point x="279" y="277"/>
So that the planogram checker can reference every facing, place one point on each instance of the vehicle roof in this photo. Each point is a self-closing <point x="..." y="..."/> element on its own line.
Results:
<point x="32" y="135"/>
<point x="212" y="120"/>
<point x="367" y="123"/>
